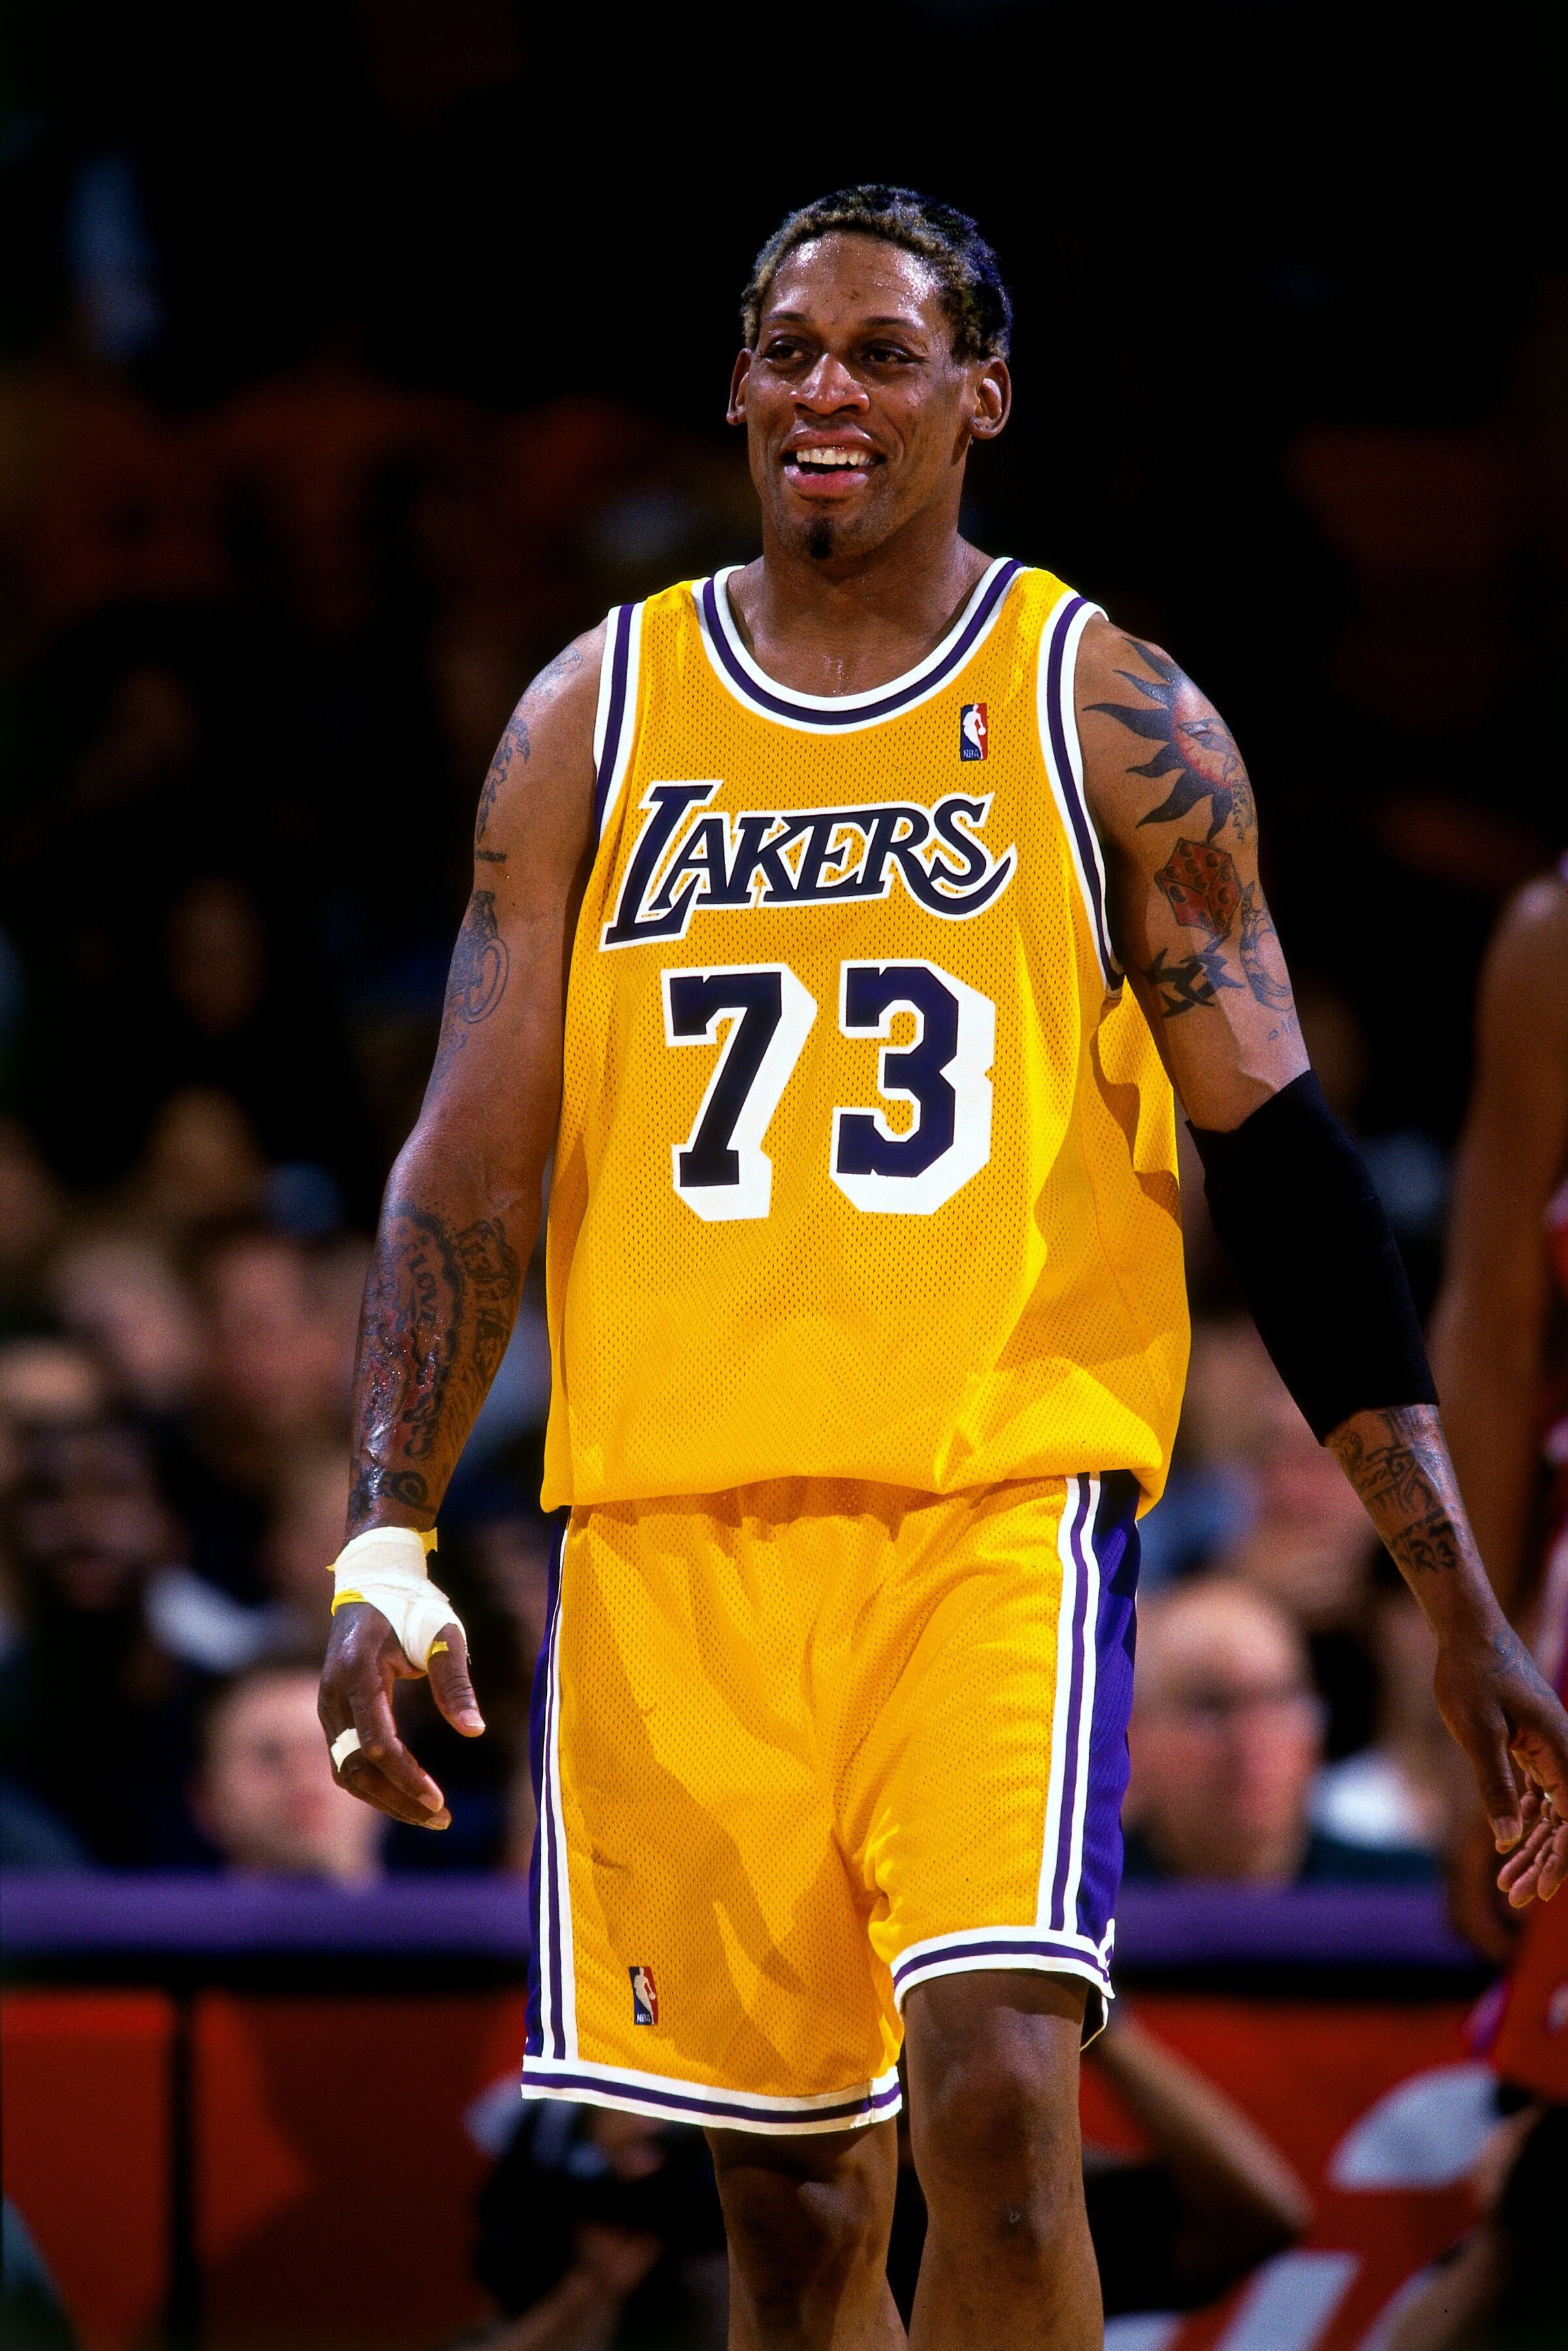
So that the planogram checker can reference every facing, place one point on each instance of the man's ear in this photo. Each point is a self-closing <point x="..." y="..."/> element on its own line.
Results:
<point x="993" y="399"/>
<point x="735" y="412"/>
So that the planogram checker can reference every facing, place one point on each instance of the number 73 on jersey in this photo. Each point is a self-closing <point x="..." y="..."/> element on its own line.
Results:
<point x="722" y="1172"/>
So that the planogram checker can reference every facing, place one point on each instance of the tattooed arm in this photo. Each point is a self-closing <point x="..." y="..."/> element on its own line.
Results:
<point x="1174" y="812"/>
<point x="1174" y="809"/>
<point x="462" y="1206"/>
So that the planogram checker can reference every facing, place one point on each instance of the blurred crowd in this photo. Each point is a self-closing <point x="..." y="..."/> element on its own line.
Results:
<point x="174" y="1478"/>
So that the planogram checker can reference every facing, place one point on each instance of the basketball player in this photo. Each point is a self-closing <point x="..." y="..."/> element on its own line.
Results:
<point x="843" y="926"/>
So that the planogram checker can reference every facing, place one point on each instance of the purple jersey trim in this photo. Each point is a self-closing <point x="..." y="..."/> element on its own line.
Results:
<point x="620" y="661"/>
<point x="716" y="2109"/>
<point x="1083" y="829"/>
<point x="781" y="704"/>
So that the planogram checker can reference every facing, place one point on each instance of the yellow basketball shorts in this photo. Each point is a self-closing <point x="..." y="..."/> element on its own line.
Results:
<point x="801" y="1747"/>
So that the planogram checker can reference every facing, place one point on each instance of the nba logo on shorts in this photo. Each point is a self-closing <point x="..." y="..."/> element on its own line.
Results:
<point x="644" y="1996"/>
<point x="972" y="731"/>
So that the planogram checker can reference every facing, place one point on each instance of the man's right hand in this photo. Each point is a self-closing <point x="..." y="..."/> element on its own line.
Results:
<point x="364" y="1658"/>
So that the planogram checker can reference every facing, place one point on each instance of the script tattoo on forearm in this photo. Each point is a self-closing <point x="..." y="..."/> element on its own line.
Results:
<point x="1196" y="747"/>
<point x="1406" y="1479"/>
<point x="439" y="1308"/>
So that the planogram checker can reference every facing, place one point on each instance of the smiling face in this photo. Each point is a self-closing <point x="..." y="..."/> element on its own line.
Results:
<point x="858" y="415"/>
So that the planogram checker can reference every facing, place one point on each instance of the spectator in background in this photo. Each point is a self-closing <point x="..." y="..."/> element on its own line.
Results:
<point x="271" y="1392"/>
<point x="1211" y="1494"/>
<point x="264" y="1794"/>
<point x="201" y="1167"/>
<point x="238" y="1018"/>
<point x="1306" y="1543"/>
<point x="47" y="1382"/>
<point x="96" y="1708"/>
<point x="123" y="1297"/>
<point x="598" y="2228"/>
<point x="305" y="1536"/>
<point x="1227" y="1738"/>
<point x="1401" y="1789"/>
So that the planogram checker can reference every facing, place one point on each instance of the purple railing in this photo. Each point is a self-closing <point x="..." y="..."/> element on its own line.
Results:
<point x="71" y="1915"/>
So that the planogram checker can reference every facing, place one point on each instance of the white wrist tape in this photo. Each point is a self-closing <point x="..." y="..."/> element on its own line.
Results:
<point x="385" y="1567"/>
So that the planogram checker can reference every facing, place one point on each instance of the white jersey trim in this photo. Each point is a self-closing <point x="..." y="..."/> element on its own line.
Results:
<point x="748" y="684"/>
<point x="1061" y="749"/>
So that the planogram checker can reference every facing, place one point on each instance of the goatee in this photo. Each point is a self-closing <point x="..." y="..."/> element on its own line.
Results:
<point x="820" y="543"/>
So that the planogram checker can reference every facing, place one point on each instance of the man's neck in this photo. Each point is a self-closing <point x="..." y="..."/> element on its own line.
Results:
<point x="847" y="625"/>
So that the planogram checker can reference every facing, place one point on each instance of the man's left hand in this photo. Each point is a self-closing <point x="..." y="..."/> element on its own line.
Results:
<point x="1499" y="1708"/>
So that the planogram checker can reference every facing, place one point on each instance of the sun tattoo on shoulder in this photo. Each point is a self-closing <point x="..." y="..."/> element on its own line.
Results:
<point x="1197" y="748"/>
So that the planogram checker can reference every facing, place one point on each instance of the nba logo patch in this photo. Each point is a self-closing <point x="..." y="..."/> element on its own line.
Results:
<point x="972" y="731"/>
<point x="644" y="1996"/>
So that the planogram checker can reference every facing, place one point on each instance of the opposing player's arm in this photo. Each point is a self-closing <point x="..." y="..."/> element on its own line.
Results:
<point x="1490" y="1328"/>
<point x="462" y="1206"/>
<point x="1292" y="1204"/>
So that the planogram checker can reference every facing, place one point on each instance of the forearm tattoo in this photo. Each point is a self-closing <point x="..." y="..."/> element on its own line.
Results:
<point x="1406" y="1481"/>
<point x="438" y="1313"/>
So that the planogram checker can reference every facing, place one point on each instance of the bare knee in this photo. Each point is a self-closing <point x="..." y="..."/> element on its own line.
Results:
<point x="807" y="2223"/>
<point x="994" y="2116"/>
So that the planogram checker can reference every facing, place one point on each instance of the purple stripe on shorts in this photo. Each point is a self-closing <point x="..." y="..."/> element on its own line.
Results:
<point x="1072" y="1743"/>
<point x="738" y="2111"/>
<point x="620" y="660"/>
<point x="1116" y="1540"/>
<point x="539" y="1726"/>
<point x="1069" y="792"/>
<point x="986" y="1948"/>
<point x="782" y="707"/>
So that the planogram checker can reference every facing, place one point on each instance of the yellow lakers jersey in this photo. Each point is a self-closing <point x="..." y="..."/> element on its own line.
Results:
<point x="866" y="1165"/>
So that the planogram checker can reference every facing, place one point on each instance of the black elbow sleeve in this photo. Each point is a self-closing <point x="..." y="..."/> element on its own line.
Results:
<point x="1296" y="1214"/>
